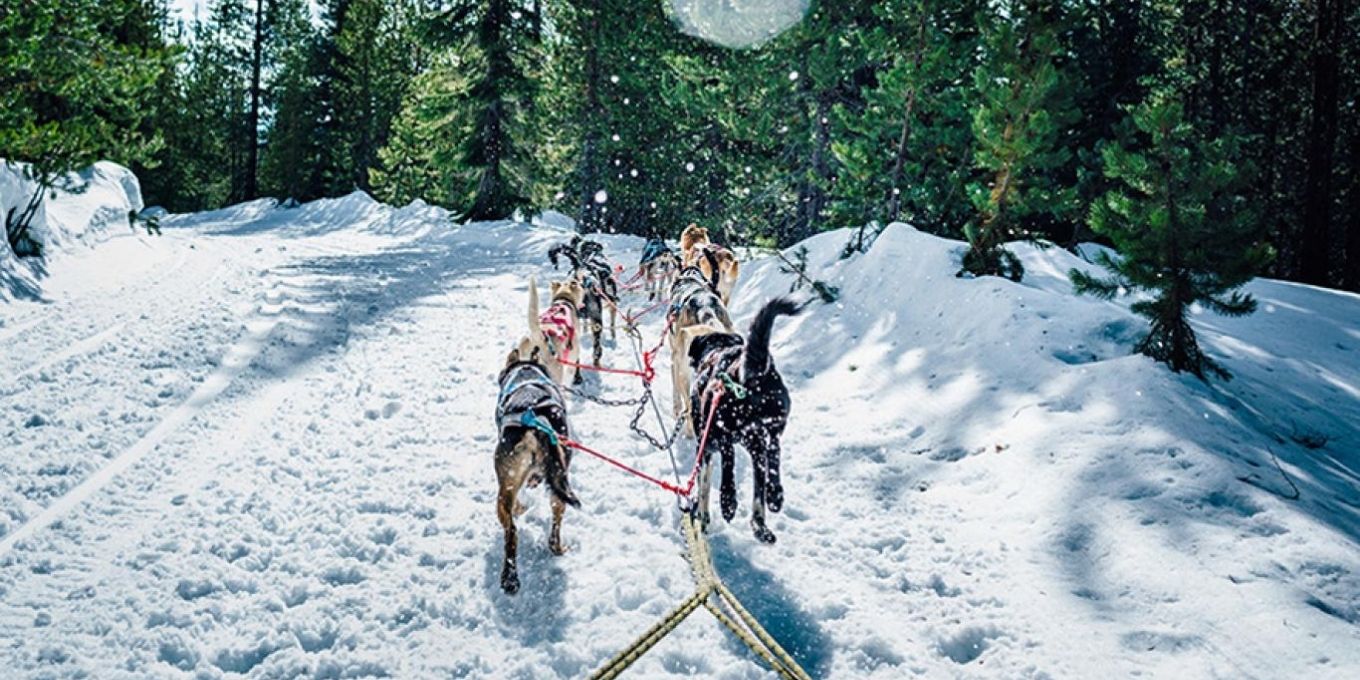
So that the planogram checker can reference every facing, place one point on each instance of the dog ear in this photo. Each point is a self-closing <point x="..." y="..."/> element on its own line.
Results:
<point x="533" y="353"/>
<point x="513" y="356"/>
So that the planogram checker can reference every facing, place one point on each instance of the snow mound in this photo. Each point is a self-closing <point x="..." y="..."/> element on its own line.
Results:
<point x="96" y="204"/>
<point x="355" y="212"/>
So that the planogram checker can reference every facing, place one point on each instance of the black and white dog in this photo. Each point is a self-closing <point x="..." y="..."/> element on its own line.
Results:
<point x="752" y="411"/>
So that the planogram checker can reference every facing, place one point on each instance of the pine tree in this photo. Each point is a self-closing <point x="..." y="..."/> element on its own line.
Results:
<point x="421" y="157"/>
<point x="292" y="163"/>
<point x="1184" y="229"/>
<point x="1024" y="116"/>
<point x="73" y="77"/>
<point x="498" y="39"/>
<point x="905" y="154"/>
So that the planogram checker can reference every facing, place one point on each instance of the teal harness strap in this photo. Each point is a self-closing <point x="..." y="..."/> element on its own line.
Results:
<point x="737" y="389"/>
<point x="531" y="420"/>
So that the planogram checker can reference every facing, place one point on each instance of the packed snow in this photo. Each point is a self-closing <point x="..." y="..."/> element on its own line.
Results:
<point x="261" y="444"/>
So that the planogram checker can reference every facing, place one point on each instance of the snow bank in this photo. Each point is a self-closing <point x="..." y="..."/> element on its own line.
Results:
<point x="99" y="201"/>
<point x="96" y="205"/>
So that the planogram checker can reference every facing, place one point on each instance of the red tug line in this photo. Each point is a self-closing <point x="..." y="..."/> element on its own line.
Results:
<point x="648" y="373"/>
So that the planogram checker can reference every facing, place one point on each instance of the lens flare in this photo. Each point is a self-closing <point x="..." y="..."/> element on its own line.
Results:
<point x="737" y="23"/>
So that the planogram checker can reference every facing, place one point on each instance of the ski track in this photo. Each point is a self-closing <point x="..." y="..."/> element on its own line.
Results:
<point x="319" y="500"/>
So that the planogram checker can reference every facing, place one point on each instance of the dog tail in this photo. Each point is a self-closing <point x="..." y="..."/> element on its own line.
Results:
<point x="758" y="340"/>
<point x="535" y="326"/>
<point x="567" y="251"/>
<point x="713" y="267"/>
<point x="556" y="468"/>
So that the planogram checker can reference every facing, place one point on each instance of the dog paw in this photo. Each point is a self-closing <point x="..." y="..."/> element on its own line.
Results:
<point x="557" y="548"/>
<point x="510" y="583"/>
<point x="729" y="510"/>
<point x="763" y="533"/>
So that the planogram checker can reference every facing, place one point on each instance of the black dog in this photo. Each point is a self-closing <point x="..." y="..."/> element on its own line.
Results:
<point x="589" y="266"/>
<point x="752" y="411"/>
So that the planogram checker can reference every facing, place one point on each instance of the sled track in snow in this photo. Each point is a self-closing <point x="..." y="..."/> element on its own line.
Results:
<point x="234" y="361"/>
<point x="90" y="342"/>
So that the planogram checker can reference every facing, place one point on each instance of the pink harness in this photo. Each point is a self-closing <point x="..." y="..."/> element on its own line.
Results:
<point x="559" y="326"/>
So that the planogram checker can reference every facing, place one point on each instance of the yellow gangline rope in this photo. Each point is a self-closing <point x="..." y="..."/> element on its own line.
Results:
<point x="707" y="583"/>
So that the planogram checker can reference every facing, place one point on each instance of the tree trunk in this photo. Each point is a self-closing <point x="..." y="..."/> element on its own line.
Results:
<point x="899" y="158"/>
<point x="1317" y="203"/>
<point x="251" y="188"/>
<point x="811" y="188"/>
<point x="716" y="181"/>
<point x="1353" y="233"/>
<point x="589" y="173"/>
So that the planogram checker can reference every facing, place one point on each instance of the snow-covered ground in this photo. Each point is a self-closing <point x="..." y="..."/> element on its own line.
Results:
<point x="262" y="444"/>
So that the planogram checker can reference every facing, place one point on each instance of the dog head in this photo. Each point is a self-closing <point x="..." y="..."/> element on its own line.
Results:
<point x="706" y="339"/>
<point x="569" y="290"/>
<point x="693" y="235"/>
<point x="525" y="351"/>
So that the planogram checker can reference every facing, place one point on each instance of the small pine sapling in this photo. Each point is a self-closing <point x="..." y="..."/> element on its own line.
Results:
<point x="798" y="266"/>
<point x="1179" y="217"/>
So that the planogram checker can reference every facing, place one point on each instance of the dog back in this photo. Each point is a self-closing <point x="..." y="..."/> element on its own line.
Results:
<point x="527" y="388"/>
<point x="559" y="324"/>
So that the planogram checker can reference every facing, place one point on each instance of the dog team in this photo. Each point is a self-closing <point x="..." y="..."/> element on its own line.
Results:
<point x="708" y="357"/>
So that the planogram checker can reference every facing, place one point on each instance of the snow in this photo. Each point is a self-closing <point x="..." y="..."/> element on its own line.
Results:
<point x="261" y="444"/>
<point x="94" y="210"/>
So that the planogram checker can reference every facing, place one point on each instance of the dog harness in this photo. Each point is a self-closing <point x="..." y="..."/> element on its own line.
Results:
<point x="689" y="283"/>
<point x="654" y="249"/>
<point x="719" y="369"/>
<point x="527" y="396"/>
<point x="559" y="327"/>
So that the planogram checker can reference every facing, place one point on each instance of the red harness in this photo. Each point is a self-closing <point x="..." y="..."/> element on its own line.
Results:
<point x="559" y="326"/>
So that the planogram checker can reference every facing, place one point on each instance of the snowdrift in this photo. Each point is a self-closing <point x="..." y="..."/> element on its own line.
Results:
<point x="96" y="207"/>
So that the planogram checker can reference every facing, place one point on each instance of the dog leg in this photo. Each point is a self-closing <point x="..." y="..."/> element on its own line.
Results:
<point x="597" y="330"/>
<point x="762" y="532"/>
<point x="505" y="506"/>
<point x="555" y="537"/>
<point x="705" y="490"/>
<point x="727" y="496"/>
<point x="613" y="320"/>
<point x="680" y="382"/>
<point x="774" y="486"/>
<point x="759" y="478"/>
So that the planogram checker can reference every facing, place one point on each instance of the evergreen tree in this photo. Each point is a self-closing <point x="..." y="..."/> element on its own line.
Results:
<point x="906" y="153"/>
<point x="1184" y="229"/>
<point x="73" y="78"/>
<point x="1021" y="126"/>
<point x="421" y="157"/>
<point x="498" y="40"/>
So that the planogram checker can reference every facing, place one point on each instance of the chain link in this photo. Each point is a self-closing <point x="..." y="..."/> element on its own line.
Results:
<point x="635" y="427"/>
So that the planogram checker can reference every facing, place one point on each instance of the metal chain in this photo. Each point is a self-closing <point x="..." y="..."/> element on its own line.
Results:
<point x="635" y="427"/>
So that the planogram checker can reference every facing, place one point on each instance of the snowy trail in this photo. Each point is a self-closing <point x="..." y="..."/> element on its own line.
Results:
<point x="236" y="359"/>
<point x="313" y="496"/>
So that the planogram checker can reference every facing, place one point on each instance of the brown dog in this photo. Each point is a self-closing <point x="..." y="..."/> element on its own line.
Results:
<point x="697" y="311"/>
<point x="659" y="273"/>
<point x="530" y="414"/>
<point x="697" y="251"/>
<point x="557" y="328"/>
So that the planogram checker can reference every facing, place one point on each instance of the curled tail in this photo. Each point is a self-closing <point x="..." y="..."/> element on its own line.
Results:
<point x="535" y="326"/>
<point x="713" y="267"/>
<point x="758" y="340"/>
<point x="565" y="250"/>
